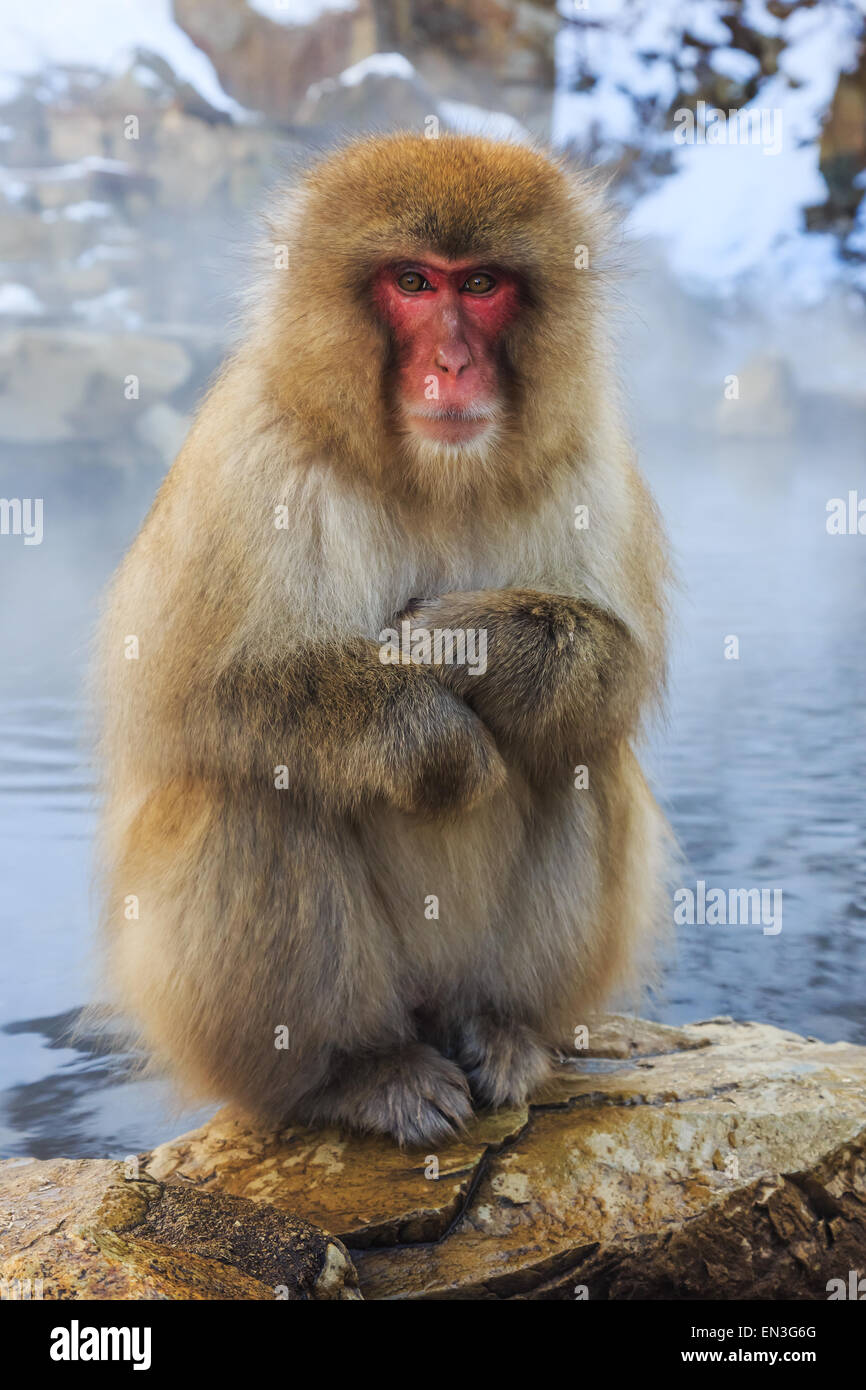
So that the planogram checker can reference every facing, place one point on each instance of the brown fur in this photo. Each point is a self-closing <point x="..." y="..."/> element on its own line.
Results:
<point x="259" y="647"/>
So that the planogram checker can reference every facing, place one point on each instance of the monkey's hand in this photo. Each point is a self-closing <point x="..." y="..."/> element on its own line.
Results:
<point x="348" y="728"/>
<point x="551" y="676"/>
<point x="438" y="755"/>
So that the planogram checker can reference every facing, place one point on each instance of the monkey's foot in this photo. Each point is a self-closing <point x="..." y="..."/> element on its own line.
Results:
<point x="413" y="1094"/>
<point x="505" y="1062"/>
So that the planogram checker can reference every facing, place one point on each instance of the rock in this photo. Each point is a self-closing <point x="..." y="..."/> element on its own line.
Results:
<point x="73" y="133"/>
<point x="164" y="429"/>
<point x="89" y="1232"/>
<point x="373" y="1192"/>
<point x="843" y="148"/>
<point x="765" y="406"/>
<point x="620" y="1035"/>
<point x="719" y="1160"/>
<point x="198" y="163"/>
<point x="27" y="236"/>
<point x="61" y="384"/>
<point x="511" y="40"/>
<point x="268" y="66"/>
<point x="499" y="53"/>
<point x="365" y="97"/>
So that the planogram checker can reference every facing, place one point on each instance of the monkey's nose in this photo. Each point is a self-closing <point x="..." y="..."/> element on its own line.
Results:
<point x="453" y="358"/>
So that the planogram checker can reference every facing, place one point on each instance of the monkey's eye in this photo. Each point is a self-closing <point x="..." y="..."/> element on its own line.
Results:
<point x="412" y="281"/>
<point x="482" y="283"/>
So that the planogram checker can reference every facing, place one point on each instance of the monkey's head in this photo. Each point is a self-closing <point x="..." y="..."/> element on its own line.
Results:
<point x="437" y="326"/>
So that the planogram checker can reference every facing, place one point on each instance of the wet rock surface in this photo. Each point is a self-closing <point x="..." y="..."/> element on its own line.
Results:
<point x="718" y="1160"/>
<point x="86" y="1230"/>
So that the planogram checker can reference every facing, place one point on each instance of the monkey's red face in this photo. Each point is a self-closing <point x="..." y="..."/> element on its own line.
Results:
<point x="446" y="318"/>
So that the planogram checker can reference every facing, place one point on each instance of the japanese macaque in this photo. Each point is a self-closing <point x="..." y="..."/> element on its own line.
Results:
<point x="351" y="879"/>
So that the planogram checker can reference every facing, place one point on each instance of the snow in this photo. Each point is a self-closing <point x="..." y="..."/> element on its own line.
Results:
<point x="12" y="187"/>
<point x="630" y="60"/>
<point x="758" y="17"/>
<point x="299" y="11"/>
<point x="655" y="28"/>
<point x="86" y="211"/>
<point x="729" y="210"/>
<point x="605" y="116"/>
<point x="90" y="163"/>
<point x="146" y="77"/>
<point x="475" y="120"/>
<point x="103" y="34"/>
<point x="857" y="239"/>
<point x="19" y="300"/>
<point x="376" y="65"/>
<point x="734" y="63"/>
<point x="112" y="307"/>
<point x="94" y="255"/>
<point x="729" y="206"/>
<point x="703" y="22"/>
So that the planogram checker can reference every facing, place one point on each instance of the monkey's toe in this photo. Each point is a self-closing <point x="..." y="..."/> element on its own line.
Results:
<point x="421" y="1098"/>
<point x="505" y="1062"/>
<point x="413" y="1094"/>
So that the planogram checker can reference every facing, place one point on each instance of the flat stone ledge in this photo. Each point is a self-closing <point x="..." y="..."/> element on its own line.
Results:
<point x="717" y="1160"/>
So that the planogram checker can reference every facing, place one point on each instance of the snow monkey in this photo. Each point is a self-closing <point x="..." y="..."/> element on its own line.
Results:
<point x="377" y="882"/>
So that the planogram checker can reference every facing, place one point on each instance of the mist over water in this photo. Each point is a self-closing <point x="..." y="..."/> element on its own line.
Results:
<point x="759" y="766"/>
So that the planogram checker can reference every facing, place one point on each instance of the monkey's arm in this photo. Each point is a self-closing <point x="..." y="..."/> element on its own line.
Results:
<point x="563" y="676"/>
<point x="347" y="728"/>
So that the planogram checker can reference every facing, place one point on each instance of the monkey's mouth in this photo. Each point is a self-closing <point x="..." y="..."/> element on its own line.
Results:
<point x="451" y="424"/>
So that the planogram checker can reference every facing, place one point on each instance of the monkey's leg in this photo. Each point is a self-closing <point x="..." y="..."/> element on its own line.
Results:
<point x="411" y="1093"/>
<point x="262" y="964"/>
